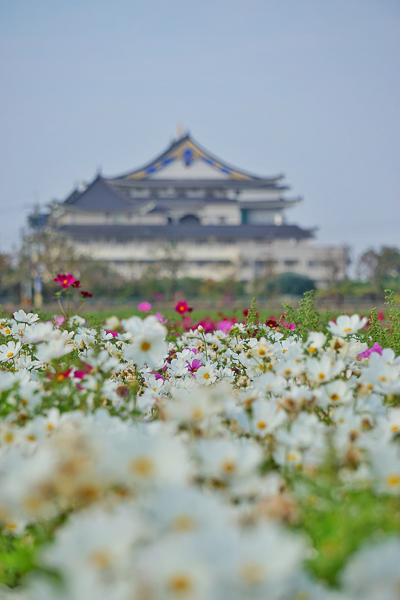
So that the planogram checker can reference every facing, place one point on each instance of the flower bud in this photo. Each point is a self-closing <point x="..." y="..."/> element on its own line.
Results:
<point x="200" y="328"/>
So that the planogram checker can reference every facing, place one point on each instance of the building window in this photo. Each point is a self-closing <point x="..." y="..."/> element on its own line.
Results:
<point x="189" y="220"/>
<point x="290" y="263"/>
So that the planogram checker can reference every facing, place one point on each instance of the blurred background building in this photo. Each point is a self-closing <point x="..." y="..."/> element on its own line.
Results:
<point x="190" y="213"/>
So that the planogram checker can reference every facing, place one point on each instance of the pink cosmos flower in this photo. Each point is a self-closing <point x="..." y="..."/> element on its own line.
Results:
<point x="65" y="280"/>
<point x="194" y="366"/>
<point x="367" y="353"/>
<point x="81" y="373"/>
<point x="224" y="326"/>
<point x="113" y="333"/>
<point x="144" y="306"/>
<point x="161" y="318"/>
<point x="58" y="320"/>
<point x="157" y="375"/>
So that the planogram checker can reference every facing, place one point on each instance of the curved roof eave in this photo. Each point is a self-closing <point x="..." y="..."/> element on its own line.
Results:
<point x="189" y="141"/>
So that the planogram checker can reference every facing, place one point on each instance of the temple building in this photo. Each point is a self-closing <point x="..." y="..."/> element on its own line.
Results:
<point x="191" y="212"/>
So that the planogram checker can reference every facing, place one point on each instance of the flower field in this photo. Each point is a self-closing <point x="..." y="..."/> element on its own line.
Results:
<point x="147" y="459"/>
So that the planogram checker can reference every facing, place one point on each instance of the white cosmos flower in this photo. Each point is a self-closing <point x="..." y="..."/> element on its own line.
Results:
<point x="315" y="341"/>
<point x="372" y="573"/>
<point x="148" y="345"/>
<point x="22" y="317"/>
<point x="267" y="417"/>
<point x="346" y="325"/>
<point x="40" y="332"/>
<point x="112" y="323"/>
<point x="8" y="351"/>
<point x="225" y="459"/>
<point x="320" y="371"/>
<point x="263" y="560"/>
<point x="174" y="568"/>
<point x="336" y="392"/>
<point x="206" y="375"/>
<point x="147" y="348"/>
<point x="53" y="349"/>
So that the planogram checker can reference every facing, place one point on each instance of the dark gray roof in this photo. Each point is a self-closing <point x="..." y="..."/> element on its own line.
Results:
<point x="99" y="196"/>
<point x="73" y="197"/>
<point x="176" y="232"/>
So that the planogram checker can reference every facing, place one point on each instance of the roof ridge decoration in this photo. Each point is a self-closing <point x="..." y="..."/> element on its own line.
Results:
<point x="188" y="150"/>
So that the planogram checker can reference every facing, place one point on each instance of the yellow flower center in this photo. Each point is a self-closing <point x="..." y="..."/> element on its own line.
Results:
<point x="197" y="414"/>
<point x="302" y="596"/>
<point x="347" y="330"/>
<point x="292" y="457"/>
<point x="7" y="332"/>
<point x="181" y="583"/>
<point x="11" y="526"/>
<point x="261" y="424"/>
<point x="321" y="376"/>
<point x="60" y="377"/>
<point x="261" y="352"/>
<point x="101" y="559"/>
<point x="229" y="466"/>
<point x="50" y="426"/>
<point x="145" y="346"/>
<point x="312" y="350"/>
<point x="252" y="573"/>
<point x="142" y="466"/>
<point x="10" y="354"/>
<point x="9" y="437"/>
<point x="334" y="397"/>
<point x="183" y="523"/>
<point x="206" y="376"/>
<point x="393" y="480"/>
<point x="394" y="428"/>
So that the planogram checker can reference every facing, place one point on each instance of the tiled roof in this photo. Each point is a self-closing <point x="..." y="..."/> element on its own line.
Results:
<point x="100" y="197"/>
<point x="177" y="232"/>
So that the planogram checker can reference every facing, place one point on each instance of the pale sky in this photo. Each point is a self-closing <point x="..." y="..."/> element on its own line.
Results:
<point x="310" y="88"/>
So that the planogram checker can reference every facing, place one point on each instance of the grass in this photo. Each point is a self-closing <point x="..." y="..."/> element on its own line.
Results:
<point x="337" y="521"/>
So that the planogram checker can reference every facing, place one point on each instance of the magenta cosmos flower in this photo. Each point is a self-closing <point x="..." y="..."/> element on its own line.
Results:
<point x="182" y="308"/>
<point x="65" y="280"/>
<point x="144" y="306"/>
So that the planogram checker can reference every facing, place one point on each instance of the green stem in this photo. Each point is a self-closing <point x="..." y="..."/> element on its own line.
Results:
<point x="60" y="305"/>
<point x="81" y="306"/>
